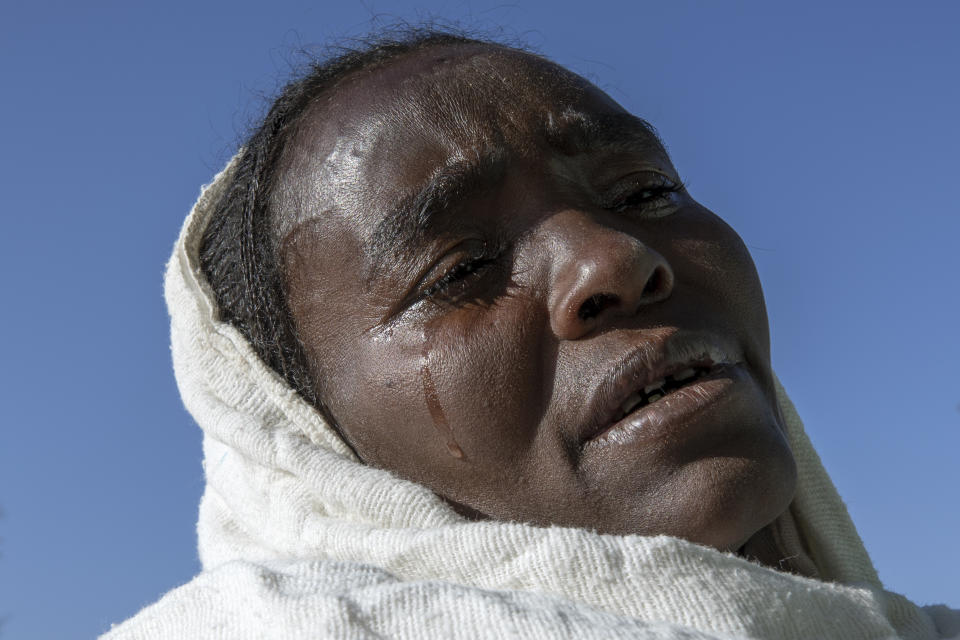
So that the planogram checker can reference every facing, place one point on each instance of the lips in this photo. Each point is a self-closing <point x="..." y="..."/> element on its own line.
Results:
<point x="660" y="380"/>
<point x="657" y="389"/>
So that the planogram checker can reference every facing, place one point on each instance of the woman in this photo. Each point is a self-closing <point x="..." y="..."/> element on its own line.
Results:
<point x="471" y="362"/>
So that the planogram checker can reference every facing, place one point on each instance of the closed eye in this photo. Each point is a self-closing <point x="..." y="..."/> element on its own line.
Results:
<point x="469" y="271"/>
<point x="458" y="278"/>
<point x="651" y="194"/>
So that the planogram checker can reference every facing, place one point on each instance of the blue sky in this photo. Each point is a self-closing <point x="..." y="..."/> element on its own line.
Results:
<point x="826" y="135"/>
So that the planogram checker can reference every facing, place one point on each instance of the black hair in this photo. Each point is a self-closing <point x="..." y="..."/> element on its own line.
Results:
<point x="237" y="252"/>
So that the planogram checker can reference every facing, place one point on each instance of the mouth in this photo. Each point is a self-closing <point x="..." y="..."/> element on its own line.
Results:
<point x="660" y="383"/>
<point x="659" y="389"/>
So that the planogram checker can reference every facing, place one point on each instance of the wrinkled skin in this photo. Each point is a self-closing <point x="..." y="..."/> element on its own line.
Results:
<point x="464" y="357"/>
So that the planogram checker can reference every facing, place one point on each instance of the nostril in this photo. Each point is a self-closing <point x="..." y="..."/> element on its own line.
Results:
<point x="596" y="304"/>
<point x="656" y="284"/>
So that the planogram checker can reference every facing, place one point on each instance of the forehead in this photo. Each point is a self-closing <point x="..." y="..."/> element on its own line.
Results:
<point x="382" y="132"/>
<point x="462" y="95"/>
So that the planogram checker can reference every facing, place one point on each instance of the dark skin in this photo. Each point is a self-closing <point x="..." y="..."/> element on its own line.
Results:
<point x="481" y="341"/>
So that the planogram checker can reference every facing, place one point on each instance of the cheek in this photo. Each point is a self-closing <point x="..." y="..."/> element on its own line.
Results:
<point x="467" y="388"/>
<point x="489" y="376"/>
<point x="710" y="256"/>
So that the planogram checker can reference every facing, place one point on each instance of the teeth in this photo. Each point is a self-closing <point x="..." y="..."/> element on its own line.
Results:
<point x="653" y="386"/>
<point x="657" y="389"/>
<point x="631" y="403"/>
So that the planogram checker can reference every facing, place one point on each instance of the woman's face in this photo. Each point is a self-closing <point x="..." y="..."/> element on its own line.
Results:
<point x="507" y="296"/>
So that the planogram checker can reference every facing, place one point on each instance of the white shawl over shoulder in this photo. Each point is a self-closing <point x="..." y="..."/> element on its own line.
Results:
<point x="300" y="540"/>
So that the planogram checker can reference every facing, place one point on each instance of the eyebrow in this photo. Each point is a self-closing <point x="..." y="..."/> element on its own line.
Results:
<point x="401" y="231"/>
<point x="576" y="132"/>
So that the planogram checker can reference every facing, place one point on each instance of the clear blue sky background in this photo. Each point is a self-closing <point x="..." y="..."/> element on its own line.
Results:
<point x="826" y="134"/>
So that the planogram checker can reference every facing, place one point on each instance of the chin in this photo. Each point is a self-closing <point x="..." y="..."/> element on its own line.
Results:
<point x="753" y="493"/>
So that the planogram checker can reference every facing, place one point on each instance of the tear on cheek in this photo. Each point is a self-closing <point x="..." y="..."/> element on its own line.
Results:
<point x="432" y="398"/>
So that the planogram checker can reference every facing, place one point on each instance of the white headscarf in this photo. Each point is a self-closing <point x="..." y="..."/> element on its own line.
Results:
<point x="299" y="539"/>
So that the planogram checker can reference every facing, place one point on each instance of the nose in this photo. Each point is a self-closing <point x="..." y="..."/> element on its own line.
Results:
<point x="600" y="274"/>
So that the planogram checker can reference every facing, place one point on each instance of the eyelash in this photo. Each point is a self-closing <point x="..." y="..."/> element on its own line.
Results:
<point x="635" y="197"/>
<point x="465" y="271"/>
